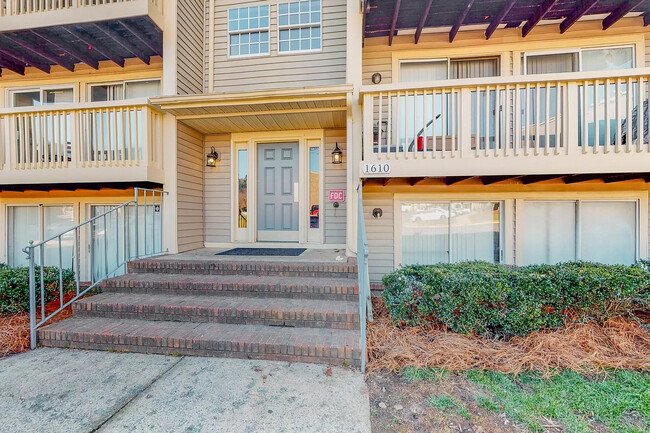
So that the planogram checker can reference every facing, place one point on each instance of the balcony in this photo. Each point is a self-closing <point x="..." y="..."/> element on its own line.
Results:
<point x="104" y="142"/>
<point x="28" y="14"/>
<point x="559" y="124"/>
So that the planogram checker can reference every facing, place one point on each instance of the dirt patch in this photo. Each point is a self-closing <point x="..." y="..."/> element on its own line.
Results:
<point x="444" y="406"/>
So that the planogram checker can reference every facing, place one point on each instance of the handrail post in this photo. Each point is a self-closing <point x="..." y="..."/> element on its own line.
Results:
<point x="32" y="295"/>
<point x="137" y="237"/>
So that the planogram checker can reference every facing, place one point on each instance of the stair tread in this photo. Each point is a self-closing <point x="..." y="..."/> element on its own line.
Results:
<point x="207" y="331"/>
<point x="226" y="302"/>
<point x="237" y="279"/>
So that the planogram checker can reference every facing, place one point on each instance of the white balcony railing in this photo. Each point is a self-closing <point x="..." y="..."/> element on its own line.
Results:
<point x="22" y="14"/>
<point x="107" y="142"/>
<point x="570" y="123"/>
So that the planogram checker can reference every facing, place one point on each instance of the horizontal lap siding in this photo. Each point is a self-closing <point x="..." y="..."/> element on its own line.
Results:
<point x="217" y="193"/>
<point x="281" y="71"/>
<point x="380" y="233"/>
<point x="335" y="220"/>
<point x="190" y="188"/>
<point x="190" y="47"/>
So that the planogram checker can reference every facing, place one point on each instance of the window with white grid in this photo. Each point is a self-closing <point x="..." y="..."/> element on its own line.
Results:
<point x="299" y="23"/>
<point x="248" y="31"/>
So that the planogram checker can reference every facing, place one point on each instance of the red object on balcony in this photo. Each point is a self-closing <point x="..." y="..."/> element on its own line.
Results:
<point x="420" y="144"/>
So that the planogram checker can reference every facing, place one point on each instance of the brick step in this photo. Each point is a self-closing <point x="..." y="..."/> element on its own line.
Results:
<point x="247" y="267"/>
<point x="330" y="346"/>
<point x="235" y="285"/>
<point x="222" y="309"/>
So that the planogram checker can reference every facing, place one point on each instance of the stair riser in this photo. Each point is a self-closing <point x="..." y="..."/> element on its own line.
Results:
<point x="202" y="268"/>
<point x="175" y="346"/>
<point x="205" y="315"/>
<point x="216" y="289"/>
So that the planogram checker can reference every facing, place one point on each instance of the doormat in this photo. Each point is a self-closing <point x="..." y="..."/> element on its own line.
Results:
<point x="286" y="252"/>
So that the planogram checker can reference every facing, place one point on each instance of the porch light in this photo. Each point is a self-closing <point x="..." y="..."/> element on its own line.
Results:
<point x="212" y="158"/>
<point x="337" y="155"/>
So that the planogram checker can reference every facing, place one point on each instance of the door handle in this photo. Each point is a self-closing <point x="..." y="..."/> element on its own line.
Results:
<point x="296" y="194"/>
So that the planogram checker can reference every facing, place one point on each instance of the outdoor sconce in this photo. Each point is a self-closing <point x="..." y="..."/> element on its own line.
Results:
<point x="211" y="158"/>
<point x="337" y="155"/>
<point x="376" y="78"/>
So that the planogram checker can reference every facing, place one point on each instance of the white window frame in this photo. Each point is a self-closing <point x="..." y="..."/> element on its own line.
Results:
<point x="578" y="51"/>
<point x="497" y="57"/>
<point x="41" y="89"/>
<point x="240" y="32"/>
<point x="89" y="93"/>
<point x="299" y="26"/>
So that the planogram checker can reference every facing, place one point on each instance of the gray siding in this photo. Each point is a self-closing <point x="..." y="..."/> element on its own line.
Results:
<point x="281" y="71"/>
<point x="217" y="192"/>
<point x="335" y="178"/>
<point x="380" y="232"/>
<point x="190" y="47"/>
<point x="189" y="188"/>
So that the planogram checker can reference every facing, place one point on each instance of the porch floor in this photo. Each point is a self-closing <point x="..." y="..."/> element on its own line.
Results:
<point x="309" y="256"/>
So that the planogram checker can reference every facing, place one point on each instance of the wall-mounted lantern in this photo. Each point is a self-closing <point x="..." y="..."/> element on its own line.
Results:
<point x="376" y="78"/>
<point x="211" y="158"/>
<point x="337" y="155"/>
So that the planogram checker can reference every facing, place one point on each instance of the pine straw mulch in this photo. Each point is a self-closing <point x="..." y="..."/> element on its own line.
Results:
<point x="587" y="348"/>
<point x="14" y="328"/>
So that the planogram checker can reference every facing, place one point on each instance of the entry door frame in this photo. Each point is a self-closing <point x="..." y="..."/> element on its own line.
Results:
<point x="249" y="141"/>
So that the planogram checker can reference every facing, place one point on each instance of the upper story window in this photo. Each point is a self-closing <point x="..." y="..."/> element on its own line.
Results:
<point x="579" y="60"/>
<point x="41" y="96"/>
<point x="124" y="90"/>
<point x="299" y="24"/>
<point x="443" y="69"/>
<point x="248" y="31"/>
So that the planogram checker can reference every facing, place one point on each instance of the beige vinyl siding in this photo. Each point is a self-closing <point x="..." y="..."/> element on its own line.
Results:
<point x="276" y="71"/>
<point x="190" y="188"/>
<point x="217" y="190"/>
<point x="335" y="220"/>
<point x="381" y="233"/>
<point x="190" y="47"/>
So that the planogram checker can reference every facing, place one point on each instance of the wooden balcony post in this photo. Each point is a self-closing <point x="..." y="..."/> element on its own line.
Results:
<point x="465" y="122"/>
<point x="572" y="118"/>
<point x="368" y="123"/>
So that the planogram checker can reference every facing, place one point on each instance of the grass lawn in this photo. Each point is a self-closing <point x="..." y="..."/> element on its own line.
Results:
<point x="427" y="400"/>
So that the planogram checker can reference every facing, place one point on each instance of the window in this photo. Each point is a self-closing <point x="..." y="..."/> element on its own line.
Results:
<point x="242" y="188"/>
<point x="588" y="59"/>
<point x="431" y="70"/>
<point x="598" y="231"/>
<point x="447" y="232"/>
<point x="37" y="97"/>
<point x="124" y="90"/>
<point x="300" y="26"/>
<point x="248" y="31"/>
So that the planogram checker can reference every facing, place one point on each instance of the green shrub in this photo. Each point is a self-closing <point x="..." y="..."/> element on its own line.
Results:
<point x="14" y="287"/>
<point x="503" y="301"/>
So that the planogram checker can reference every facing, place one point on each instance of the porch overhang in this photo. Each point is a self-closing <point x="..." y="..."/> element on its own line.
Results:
<point x="275" y="110"/>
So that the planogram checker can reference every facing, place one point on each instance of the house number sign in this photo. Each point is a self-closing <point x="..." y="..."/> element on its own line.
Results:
<point x="377" y="168"/>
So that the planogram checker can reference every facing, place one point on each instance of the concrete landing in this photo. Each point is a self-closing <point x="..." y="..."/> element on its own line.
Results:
<point x="64" y="390"/>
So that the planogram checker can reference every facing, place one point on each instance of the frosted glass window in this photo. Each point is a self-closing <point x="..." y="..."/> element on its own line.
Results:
<point x="442" y="232"/>
<point x="22" y="226"/>
<point x="142" y="89"/>
<point x="300" y="26"/>
<point x="549" y="234"/>
<point x="603" y="59"/>
<point x="242" y="182"/>
<point x="57" y="219"/>
<point x="314" y="187"/>
<point x="248" y="31"/>
<point x="608" y="231"/>
<point x="411" y="72"/>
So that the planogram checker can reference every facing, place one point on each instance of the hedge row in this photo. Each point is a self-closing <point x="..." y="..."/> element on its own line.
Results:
<point x="503" y="301"/>
<point x="14" y="287"/>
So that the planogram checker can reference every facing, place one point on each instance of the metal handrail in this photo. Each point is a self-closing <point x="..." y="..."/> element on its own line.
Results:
<point x="157" y="199"/>
<point x="365" y="303"/>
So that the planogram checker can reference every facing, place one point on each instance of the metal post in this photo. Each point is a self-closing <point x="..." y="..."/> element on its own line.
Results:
<point x="42" y="265"/>
<point x="137" y="238"/>
<point x="60" y="274"/>
<point x="162" y="213"/>
<point x="126" y="237"/>
<point x="77" y="258"/>
<point x="105" y="247"/>
<point x="32" y="296"/>
<point x="145" y="222"/>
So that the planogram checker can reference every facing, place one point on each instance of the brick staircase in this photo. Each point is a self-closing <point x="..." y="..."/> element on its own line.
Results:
<point x="301" y="311"/>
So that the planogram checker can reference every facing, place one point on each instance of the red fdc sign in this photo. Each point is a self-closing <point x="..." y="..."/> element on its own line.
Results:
<point x="337" y="195"/>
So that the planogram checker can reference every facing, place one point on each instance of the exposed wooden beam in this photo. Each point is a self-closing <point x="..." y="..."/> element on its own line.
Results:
<point x="386" y="180"/>
<point x="423" y="19"/>
<point x="499" y="17"/>
<point x="12" y="65"/>
<point x="646" y="19"/>
<point x="415" y="180"/>
<point x="620" y="12"/>
<point x="57" y="60"/>
<point x="489" y="180"/>
<point x="626" y="176"/>
<point x="450" y="180"/>
<point x="576" y="178"/>
<point x="153" y="45"/>
<point x="68" y="49"/>
<point x="526" y="180"/>
<point x="576" y="14"/>
<point x="97" y="46"/>
<point x="393" y="23"/>
<point x="539" y="14"/>
<point x="459" y="21"/>
<point x="26" y="59"/>
<point x="123" y="42"/>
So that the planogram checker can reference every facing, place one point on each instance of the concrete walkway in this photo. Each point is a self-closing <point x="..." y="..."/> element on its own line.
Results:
<point x="63" y="390"/>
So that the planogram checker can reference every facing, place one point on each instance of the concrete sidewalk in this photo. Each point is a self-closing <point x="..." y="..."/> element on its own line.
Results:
<point x="68" y="391"/>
